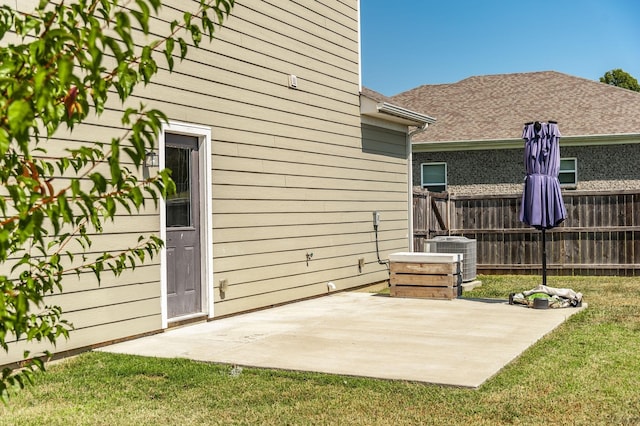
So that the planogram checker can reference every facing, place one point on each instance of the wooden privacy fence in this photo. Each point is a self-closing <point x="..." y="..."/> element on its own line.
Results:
<point x="601" y="235"/>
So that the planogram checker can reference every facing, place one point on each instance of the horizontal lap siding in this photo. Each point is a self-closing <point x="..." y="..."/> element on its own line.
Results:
<point x="117" y="307"/>
<point x="111" y="324"/>
<point x="290" y="174"/>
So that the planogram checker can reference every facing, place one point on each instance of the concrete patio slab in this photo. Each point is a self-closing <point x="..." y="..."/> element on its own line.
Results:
<point x="460" y="342"/>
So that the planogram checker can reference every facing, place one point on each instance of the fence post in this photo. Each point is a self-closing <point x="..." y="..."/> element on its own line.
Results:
<point x="600" y="236"/>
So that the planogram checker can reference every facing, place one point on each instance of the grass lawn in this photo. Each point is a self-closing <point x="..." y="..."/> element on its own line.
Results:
<point x="586" y="372"/>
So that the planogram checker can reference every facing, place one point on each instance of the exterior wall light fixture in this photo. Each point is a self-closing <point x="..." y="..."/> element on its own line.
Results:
<point x="151" y="159"/>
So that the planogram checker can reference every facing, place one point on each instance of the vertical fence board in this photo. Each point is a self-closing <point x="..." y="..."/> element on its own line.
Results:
<point x="601" y="234"/>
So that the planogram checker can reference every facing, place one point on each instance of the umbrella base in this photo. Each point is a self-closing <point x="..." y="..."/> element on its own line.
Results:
<point x="540" y="303"/>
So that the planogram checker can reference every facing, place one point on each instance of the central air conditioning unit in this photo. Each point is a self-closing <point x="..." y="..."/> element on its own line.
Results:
<point x="463" y="245"/>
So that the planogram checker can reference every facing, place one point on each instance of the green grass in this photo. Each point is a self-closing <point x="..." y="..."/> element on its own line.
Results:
<point x="586" y="372"/>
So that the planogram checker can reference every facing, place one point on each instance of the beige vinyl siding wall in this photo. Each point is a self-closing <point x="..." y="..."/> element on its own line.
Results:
<point x="291" y="173"/>
<point x="116" y="307"/>
<point x="278" y="153"/>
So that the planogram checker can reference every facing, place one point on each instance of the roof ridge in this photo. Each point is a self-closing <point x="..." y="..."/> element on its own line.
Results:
<point x="420" y="87"/>
<point x="495" y="106"/>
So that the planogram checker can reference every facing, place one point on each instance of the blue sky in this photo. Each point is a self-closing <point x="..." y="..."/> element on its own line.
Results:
<point x="408" y="43"/>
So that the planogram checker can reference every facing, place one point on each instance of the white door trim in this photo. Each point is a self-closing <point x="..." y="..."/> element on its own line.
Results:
<point x="203" y="134"/>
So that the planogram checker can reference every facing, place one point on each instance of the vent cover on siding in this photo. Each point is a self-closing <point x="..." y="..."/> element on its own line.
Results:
<point x="462" y="245"/>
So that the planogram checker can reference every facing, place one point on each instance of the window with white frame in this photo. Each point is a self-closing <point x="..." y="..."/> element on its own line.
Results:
<point x="568" y="175"/>
<point x="434" y="176"/>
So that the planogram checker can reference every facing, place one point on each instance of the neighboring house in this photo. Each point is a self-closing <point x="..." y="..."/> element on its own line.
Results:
<point x="476" y="146"/>
<point x="287" y="162"/>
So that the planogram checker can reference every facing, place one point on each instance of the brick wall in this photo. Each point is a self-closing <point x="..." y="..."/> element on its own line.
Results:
<point x="600" y="168"/>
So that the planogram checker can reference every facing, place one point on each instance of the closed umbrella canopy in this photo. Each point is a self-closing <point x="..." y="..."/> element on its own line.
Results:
<point x="542" y="205"/>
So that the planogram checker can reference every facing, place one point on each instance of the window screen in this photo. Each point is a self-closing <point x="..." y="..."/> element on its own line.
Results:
<point x="434" y="176"/>
<point x="568" y="175"/>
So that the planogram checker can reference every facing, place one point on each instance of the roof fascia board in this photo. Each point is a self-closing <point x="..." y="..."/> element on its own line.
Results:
<point x="475" y="145"/>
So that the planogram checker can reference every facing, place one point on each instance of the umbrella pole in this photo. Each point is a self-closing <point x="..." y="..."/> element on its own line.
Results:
<point x="544" y="258"/>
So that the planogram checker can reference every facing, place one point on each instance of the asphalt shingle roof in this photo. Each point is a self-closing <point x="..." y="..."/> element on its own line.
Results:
<point x="378" y="97"/>
<point x="495" y="107"/>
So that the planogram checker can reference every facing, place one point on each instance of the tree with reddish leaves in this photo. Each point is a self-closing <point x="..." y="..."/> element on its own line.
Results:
<point x="60" y="64"/>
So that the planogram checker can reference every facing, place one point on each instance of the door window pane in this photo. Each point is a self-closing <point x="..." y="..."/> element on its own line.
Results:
<point x="178" y="160"/>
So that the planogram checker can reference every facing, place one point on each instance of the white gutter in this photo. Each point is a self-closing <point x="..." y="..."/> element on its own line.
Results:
<point x="474" y="145"/>
<point x="404" y="113"/>
<point x="419" y="129"/>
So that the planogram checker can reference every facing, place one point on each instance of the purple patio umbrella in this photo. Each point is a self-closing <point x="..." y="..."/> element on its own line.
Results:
<point x="542" y="206"/>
